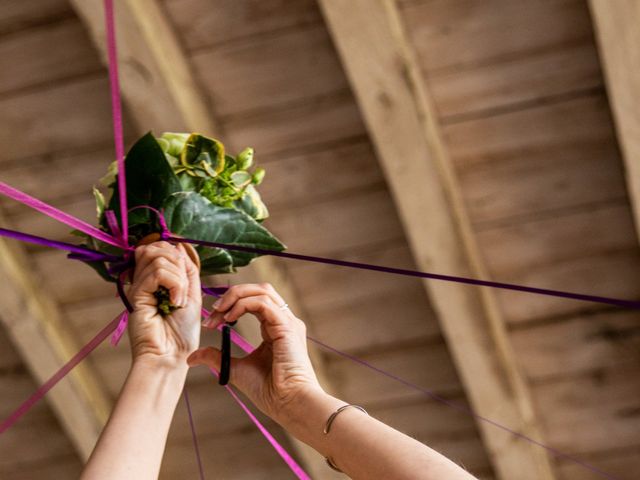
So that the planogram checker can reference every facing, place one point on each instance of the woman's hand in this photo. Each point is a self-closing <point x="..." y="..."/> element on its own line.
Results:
<point x="170" y="339"/>
<point x="279" y="371"/>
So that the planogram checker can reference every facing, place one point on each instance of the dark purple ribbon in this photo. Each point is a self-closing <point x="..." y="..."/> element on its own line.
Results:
<point x="77" y="252"/>
<point x="415" y="273"/>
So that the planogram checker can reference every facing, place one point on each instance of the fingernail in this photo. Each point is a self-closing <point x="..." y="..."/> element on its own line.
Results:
<point x="217" y="303"/>
<point x="213" y="320"/>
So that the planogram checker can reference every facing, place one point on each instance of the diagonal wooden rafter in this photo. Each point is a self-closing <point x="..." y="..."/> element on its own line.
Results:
<point x="618" y="34"/>
<point x="160" y="90"/>
<point x="403" y="126"/>
<point x="36" y="328"/>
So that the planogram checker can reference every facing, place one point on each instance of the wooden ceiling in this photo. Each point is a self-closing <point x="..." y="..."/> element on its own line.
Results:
<point x="466" y="137"/>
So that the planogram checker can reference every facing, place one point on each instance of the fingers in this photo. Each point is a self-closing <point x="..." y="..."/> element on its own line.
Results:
<point x="239" y="291"/>
<point x="260" y="305"/>
<point x="193" y="271"/>
<point x="162" y="273"/>
<point x="145" y="254"/>
<point x="162" y="265"/>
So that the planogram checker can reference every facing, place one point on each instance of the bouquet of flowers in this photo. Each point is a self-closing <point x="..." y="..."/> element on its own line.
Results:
<point x="201" y="193"/>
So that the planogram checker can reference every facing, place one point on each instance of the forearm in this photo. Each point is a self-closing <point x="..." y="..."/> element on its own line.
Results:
<point x="363" y="447"/>
<point x="132" y="443"/>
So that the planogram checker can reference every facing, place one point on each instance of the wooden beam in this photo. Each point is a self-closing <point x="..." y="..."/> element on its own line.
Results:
<point x="617" y="28"/>
<point x="403" y="125"/>
<point x="159" y="88"/>
<point x="45" y="342"/>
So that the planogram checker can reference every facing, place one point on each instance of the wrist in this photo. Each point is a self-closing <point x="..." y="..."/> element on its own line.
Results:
<point x="161" y="362"/>
<point x="306" y="416"/>
<point x="168" y="367"/>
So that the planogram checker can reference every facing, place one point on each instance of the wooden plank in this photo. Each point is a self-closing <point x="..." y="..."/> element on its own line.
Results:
<point x="46" y="121"/>
<point x="170" y="99"/>
<point x="609" y="339"/>
<point x="203" y="25"/>
<point x="572" y="405"/>
<point x="82" y="170"/>
<point x="609" y="274"/>
<point x="537" y="161"/>
<point x="411" y="362"/>
<point x="328" y="228"/>
<point x="495" y="56"/>
<point x="302" y="126"/>
<point x="616" y="27"/>
<point x="18" y="14"/>
<point x="399" y="316"/>
<point x="225" y="456"/>
<point x="597" y="229"/>
<point x="31" y="60"/>
<point x="269" y="72"/>
<point x="621" y="464"/>
<point x="379" y="309"/>
<point x="60" y="467"/>
<point x="293" y="179"/>
<point x="402" y="123"/>
<point x="37" y="329"/>
<point x="18" y="444"/>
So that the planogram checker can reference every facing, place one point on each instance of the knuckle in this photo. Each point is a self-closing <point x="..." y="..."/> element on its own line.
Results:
<point x="233" y="291"/>
<point x="266" y="286"/>
<point x="160" y="262"/>
<point x="264" y="300"/>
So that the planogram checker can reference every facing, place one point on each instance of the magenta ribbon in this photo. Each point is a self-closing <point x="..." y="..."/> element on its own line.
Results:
<point x="59" y="375"/>
<point x="116" y="108"/>
<point x="58" y="215"/>
<point x="242" y="342"/>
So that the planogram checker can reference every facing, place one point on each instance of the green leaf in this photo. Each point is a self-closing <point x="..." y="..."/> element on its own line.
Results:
<point x="110" y="177"/>
<point x="241" y="178"/>
<point x="100" y="202"/>
<point x="199" y="148"/>
<point x="173" y="143"/>
<point x="245" y="158"/>
<point x="150" y="180"/>
<point x="258" y="176"/>
<point x="252" y="204"/>
<point x="190" y="215"/>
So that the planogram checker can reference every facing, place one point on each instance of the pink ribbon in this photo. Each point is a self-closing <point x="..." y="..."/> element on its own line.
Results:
<point x="116" y="108"/>
<point x="288" y="459"/>
<point x="242" y="342"/>
<point x="59" y="375"/>
<point x="58" y="215"/>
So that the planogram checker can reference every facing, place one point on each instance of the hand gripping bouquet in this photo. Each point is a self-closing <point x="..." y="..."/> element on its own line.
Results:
<point x="187" y="184"/>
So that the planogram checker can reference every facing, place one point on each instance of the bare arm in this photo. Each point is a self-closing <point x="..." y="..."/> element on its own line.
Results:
<point x="279" y="378"/>
<point x="132" y="443"/>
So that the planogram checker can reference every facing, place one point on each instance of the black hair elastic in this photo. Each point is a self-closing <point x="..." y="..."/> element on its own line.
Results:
<point x="225" y="363"/>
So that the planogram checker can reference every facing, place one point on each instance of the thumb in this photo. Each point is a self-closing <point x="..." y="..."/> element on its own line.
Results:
<point x="211" y="357"/>
<point x="208" y="356"/>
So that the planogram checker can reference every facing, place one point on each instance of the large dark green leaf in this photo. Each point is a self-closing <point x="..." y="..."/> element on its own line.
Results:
<point x="150" y="180"/>
<point x="190" y="215"/>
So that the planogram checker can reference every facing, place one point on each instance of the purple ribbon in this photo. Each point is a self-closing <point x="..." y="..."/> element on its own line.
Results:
<point x="59" y="215"/>
<point x="77" y="252"/>
<point x="415" y="273"/>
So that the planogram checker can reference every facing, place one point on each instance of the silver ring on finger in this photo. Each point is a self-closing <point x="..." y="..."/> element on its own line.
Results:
<point x="284" y="306"/>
